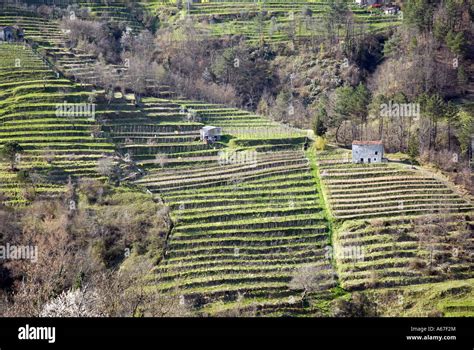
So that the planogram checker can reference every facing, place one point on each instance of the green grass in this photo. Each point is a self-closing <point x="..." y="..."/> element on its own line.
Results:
<point x="28" y="116"/>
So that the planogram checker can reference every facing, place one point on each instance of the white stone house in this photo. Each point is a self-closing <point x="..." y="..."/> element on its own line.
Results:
<point x="390" y="10"/>
<point x="210" y="133"/>
<point x="367" y="151"/>
<point x="366" y="2"/>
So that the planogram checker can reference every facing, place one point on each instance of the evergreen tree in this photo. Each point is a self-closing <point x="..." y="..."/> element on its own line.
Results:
<point x="10" y="151"/>
<point x="413" y="148"/>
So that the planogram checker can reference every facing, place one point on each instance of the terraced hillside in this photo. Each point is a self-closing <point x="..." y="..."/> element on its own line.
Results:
<point x="56" y="146"/>
<point x="155" y="133"/>
<point x="245" y="221"/>
<point x="397" y="225"/>
<point x="241" y="231"/>
<point x="452" y="298"/>
<point x="406" y="250"/>
<point x="51" y="42"/>
<point x="248" y="217"/>
<point x="272" y="21"/>
<point x="165" y="131"/>
<point x="112" y="11"/>
<point x="386" y="189"/>
<point x="44" y="32"/>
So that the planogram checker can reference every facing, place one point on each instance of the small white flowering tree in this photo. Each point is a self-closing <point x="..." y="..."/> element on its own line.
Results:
<point x="74" y="303"/>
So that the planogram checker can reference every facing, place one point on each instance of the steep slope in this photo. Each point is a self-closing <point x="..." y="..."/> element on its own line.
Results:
<point x="271" y="21"/>
<point x="57" y="145"/>
<point x="397" y="225"/>
<point x="246" y="211"/>
<point x="385" y="189"/>
<point x="51" y="41"/>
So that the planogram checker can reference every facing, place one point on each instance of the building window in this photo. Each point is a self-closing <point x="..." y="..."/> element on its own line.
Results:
<point x="376" y="152"/>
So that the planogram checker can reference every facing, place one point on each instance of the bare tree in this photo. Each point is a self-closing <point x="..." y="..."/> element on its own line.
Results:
<point x="310" y="278"/>
<point x="125" y="293"/>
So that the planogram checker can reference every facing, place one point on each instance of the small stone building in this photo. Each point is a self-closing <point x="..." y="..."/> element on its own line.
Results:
<point x="369" y="2"/>
<point x="210" y="133"/>
<point x="390" y="10"/>
<point x="367" y="151"/>
<point x="11" y="33"/>
<point x="6" y="34"/>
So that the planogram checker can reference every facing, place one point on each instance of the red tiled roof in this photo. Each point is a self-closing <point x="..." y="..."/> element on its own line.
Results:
<point x="367" y="142"/>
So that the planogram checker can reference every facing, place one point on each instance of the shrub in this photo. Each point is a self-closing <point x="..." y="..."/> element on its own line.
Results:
<point x="81" y="248"/>
<point x="306" y="11"/>
<point x="320" y="143"/>
<point x="10" y="152"/>
<point x="359" y="305"/>
<point x="108" y="167"/>
<point x="92" y="189"/>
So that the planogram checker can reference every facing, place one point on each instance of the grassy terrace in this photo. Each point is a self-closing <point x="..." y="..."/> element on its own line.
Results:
<point x="56" y="146"/>
<point x="51" y="41"/>
<point x="397" y="225"/>
<point x="114" y="11"/>
<point x="452" y="298"/>
<point x="164" y="131"/>
<point x="394" y="254"/>
<point x="271" y="21"/>
<point x="235" y="232"/>
<point x="155" y="128"/>
<point x="246" y="211"/>
<point x="242" y="227"/>
<point x="358" y="191"/>
<point x="249" y="131"/>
